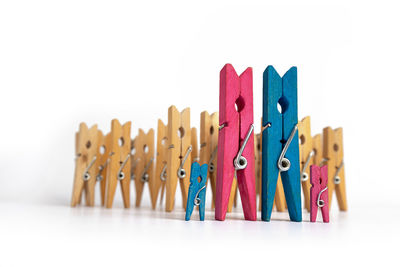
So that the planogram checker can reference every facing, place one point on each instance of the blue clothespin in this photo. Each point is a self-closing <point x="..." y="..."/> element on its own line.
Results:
<point x="280" y="142"/>
<point x="197" y="190"/>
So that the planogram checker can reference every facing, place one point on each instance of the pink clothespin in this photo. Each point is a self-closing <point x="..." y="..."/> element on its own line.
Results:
<point x="236" y="142"/>
<point x="319" y="197"/>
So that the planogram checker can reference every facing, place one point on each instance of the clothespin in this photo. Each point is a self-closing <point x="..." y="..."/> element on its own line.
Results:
<point x="333" y="153"/>
<point x="85" y="171"/>
<point x="119" y="167"/>
<point x="209" y="147"/>
<point x="318" y="192"/>
<point x="197" y="190"/>
<point x="144" y="158"/>
<point x="236" y="142"/>
<point x="161" y="162"/>
<point x="306" y="158"/>
<point x="179" y="155"/>
<point x="195" y="146"/>
<point x="280" y="144"/>
<point x="103" y="156"/>
<point x="257" y="163"/>
<point x="317" y="148"/>
<point x="280" y="201"/>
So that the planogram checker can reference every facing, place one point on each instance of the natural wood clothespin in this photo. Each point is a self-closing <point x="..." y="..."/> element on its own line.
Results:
<point x="317" y="148"/>
<point x="144" y="158"/>
<point x="103" y="155"/>
<point x="306" y="158"/>
<point x="85" y="169"/>
<point x="179" y="155"/>
<point x="209" y="147"/>
<point x="195" y="146"/>
<point x="333" y="153"/>
<point x="161" y="162"/>
<point x="119" y="167"/>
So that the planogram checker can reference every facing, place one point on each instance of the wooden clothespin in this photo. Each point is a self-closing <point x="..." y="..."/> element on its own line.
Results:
<point x="280" y="144"/>
<point x="318" y="192"/>
<point x="119" y="167"/>
<point x="280" y="201"/>
<point x="209" y="147"/>
<point x="197" y="190"/>
<point x="195" y="146"/>
<point x="179" y="155"/>
<point x="317" y="148"/>
<point x="236" y="142"/>
<point x="161" y="162"/>
<point x="85" y="169"/>
<point x="306" y="158"/>
<point x="144" y="169"/>
<point x="333" y="153"/>
<point x="103" y="157"/>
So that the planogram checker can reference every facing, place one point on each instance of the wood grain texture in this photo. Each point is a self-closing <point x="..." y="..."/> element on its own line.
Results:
<point x="177" y="148"/>
<point x="305" y="148"/>
<point x="209" y="145"/>
<point x="120" y="153"/>
<point x="317" y="147"/>
<point x="319" y="181"/>
<point x="103" y="162"/>
<point x="283" y="91"/>
<point x="196" y="190"/>
<point x="333" y="152"/>
<point x="144" y="157"/>
<point x="235" y="90"/>
<point x="86" y="148"/>
<point x="195" y="146"/>
<point x="161" y="163"/>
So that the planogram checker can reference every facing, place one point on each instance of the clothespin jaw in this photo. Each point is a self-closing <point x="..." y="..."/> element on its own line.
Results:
<point x="209" y="147"/>
<point x="318" y="192"/>
<point x="179" y="155"/>
<point x="103" y="156"/>
<point x="144" y="157"/>
<point x="161" y="163"/>
<point x="197" y="190"/>
<point x="85" y="172"/>
<point x="119" y="167"/>
<point x="333" y="153"/>
<point x="306" y="158"/>
<point x="280" y="145"/>
<point x="236" y="142"/>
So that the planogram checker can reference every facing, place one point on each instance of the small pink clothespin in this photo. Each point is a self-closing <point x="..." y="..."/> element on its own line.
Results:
<point x="319" y="192"/>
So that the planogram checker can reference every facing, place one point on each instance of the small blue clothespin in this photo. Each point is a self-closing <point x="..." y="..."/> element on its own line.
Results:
<point x="197" y="190"/>
<point x="280" y="142"/>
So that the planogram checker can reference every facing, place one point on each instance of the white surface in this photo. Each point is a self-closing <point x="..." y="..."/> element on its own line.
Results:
<point x="63" y="62"/>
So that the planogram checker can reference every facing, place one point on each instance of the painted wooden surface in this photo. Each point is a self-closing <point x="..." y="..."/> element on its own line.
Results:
<point x="333" y="152"/>
<point x="319" y="181"/>
<point x="177" y="148"/>
<point x="235" y="90"/>
<point x="283" y="91"/>
<point x="305" y="148"/>
<point x="161" y="163"/>
<point x="144" y="170"/>
<point x="120" y="153"/>
<point x="198" y="181"/>
<point x="86" y="150"/>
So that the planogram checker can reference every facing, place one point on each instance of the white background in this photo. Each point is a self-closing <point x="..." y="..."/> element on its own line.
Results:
<point x="63" y="62"/>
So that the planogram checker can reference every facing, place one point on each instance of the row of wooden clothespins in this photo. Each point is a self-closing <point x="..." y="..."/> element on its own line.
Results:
<point x="228" y="146"/>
